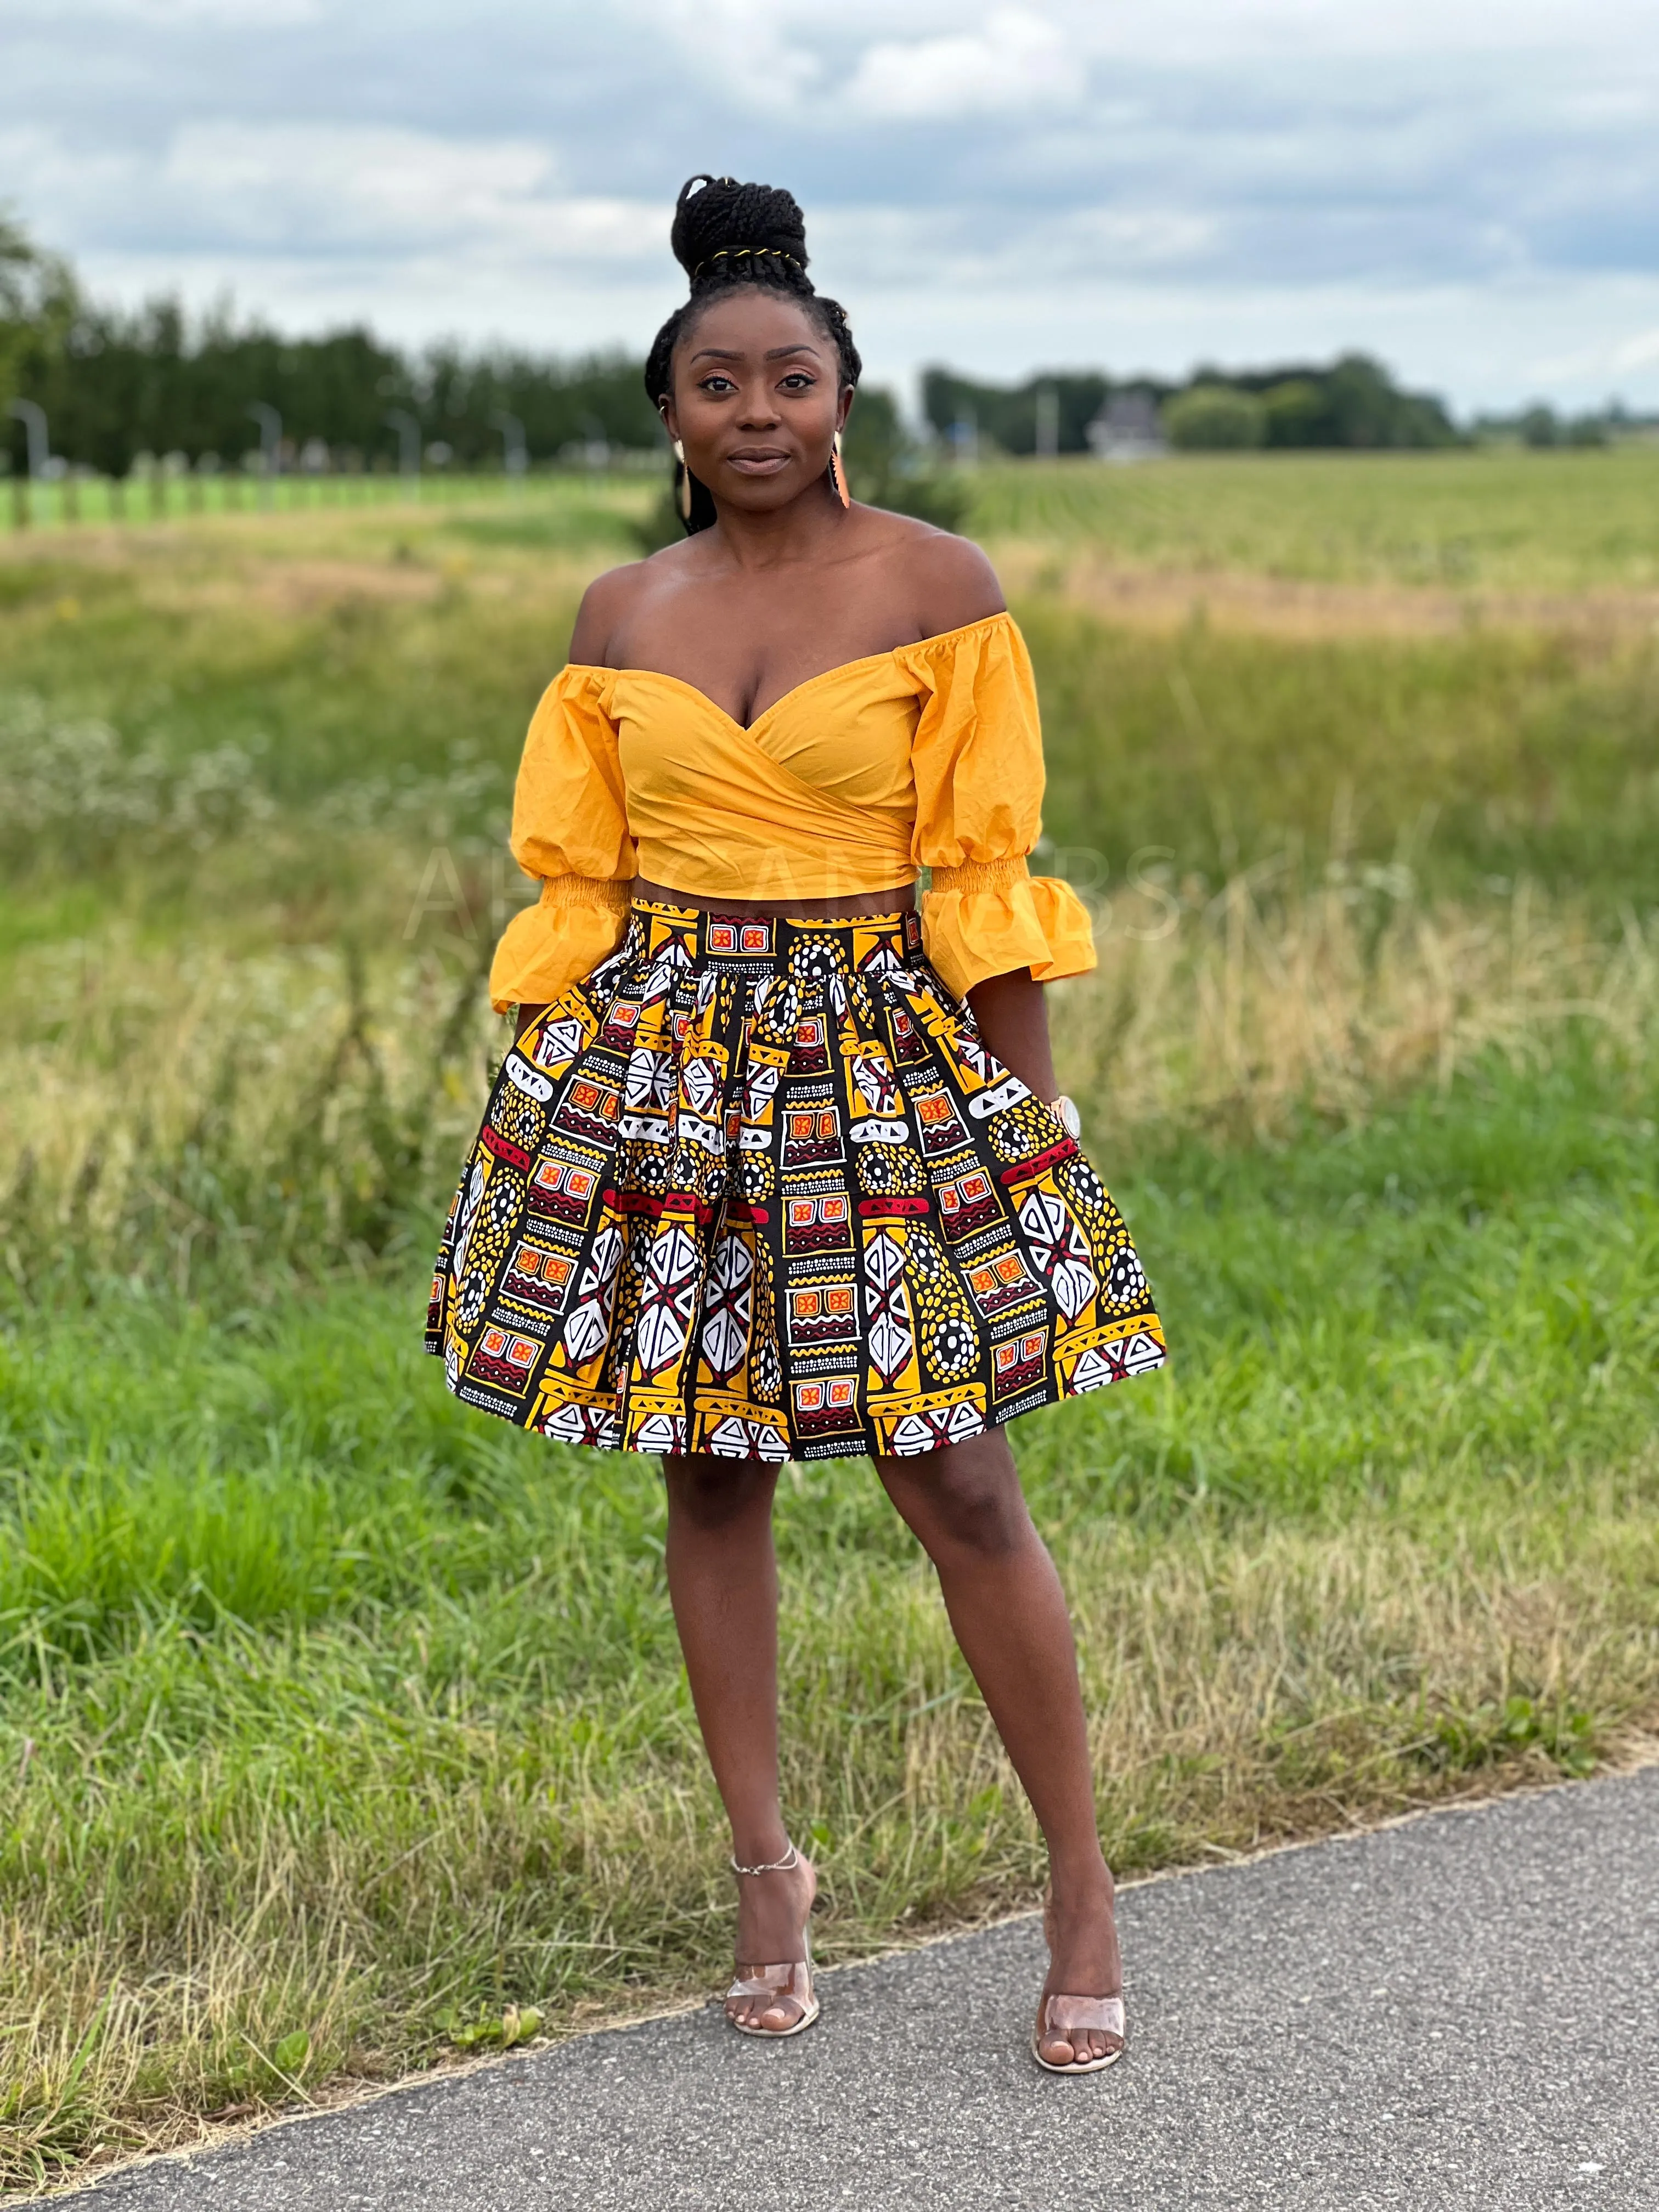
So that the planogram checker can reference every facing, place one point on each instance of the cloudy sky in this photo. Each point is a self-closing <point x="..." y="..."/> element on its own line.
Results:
<point x="1469" y="188"/>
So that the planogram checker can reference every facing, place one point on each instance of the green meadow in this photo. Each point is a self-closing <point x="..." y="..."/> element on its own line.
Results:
<point x="342" y="1730"/>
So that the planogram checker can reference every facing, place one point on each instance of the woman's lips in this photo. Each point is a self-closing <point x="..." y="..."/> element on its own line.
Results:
<point x="757" y="461"/>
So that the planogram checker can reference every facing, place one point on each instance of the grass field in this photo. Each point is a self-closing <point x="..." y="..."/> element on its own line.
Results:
<point x="1527" y="521"/>
<point x="341" y="1729"/>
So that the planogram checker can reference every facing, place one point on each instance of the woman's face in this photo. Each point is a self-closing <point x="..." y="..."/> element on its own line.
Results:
<point x="757" y="399"/>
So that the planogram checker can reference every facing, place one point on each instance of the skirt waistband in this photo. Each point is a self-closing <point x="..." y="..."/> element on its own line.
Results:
<point x="709" y="935"/>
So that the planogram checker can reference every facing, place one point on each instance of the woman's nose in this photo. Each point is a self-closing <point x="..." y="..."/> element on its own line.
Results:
<point x="759" y="410"/>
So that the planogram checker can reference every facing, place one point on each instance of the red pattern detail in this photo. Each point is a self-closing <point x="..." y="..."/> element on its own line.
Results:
<point x="493" y="1141"/>
<point x="1027" y="1170"/>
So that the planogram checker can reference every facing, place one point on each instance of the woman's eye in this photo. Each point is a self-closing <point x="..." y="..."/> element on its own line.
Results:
<point x="718" y="384"/>
<point x="799" y="380"/>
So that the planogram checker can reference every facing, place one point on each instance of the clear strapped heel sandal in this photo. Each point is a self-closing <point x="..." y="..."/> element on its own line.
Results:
<point x="789" y="1986"/>
<point x="1063" y="2019"/>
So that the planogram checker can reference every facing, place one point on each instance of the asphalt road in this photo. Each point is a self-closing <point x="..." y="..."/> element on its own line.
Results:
<point x="1463" y="2010"/>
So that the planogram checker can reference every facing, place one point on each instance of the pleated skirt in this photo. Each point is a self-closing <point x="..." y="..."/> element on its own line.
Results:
<point x="757" y="1188"/>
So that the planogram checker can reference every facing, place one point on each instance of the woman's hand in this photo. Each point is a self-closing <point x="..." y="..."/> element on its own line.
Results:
<point x="1014" y="1021"/>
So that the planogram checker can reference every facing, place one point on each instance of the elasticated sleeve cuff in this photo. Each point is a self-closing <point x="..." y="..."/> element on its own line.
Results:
<point x="992" y="917"/>
<point x="577" y="922"/>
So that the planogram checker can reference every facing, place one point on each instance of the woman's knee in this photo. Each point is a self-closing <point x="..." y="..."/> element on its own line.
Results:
<point x="713" y="1493"/>
<point x="966" y="1498"/>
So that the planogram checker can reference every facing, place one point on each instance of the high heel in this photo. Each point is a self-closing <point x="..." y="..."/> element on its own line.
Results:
<point x="789" y="1984"/>
<point x="1062" y="2019"/>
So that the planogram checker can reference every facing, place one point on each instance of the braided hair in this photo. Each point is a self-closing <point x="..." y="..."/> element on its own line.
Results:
<point x="727" y="233"/>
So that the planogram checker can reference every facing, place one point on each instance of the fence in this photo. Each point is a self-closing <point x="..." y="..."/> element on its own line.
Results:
<point x="164" y="495"/>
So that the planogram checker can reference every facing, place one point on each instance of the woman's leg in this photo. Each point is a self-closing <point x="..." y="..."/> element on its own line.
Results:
<point x="723" y="1581"/>
<point x="1008" y="1611"/>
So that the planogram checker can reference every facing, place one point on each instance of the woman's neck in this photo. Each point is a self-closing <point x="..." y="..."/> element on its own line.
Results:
<point x="805" y="530"/>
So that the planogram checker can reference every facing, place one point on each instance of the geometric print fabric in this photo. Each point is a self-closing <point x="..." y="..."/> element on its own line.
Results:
<point x="755" y="1188"/>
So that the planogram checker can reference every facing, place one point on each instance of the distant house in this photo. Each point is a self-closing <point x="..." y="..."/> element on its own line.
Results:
<point x="1126" y="429"/>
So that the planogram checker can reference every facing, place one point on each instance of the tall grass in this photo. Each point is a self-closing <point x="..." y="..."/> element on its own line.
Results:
<point x="268" y="1119"/>
<point x="1463" y="758"/>
<point x="1265" y="1005"/>
<point x="257" y="1121"/>
<point x="211" y="740"/>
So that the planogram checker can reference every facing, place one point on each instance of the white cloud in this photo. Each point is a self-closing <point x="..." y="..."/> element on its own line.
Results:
<point x="288" y="189"/>
<point x="168" y="15"/>
<point x="735" y="46"/>
<point x="328" y="184"/>
<point x="1017" y="61"/>
<point x="1143" y="240"/>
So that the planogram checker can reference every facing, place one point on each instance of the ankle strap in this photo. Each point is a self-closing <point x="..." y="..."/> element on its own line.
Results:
<point x="790" y="1859"/>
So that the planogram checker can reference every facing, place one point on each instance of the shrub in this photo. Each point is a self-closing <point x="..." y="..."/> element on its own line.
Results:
<point x="1297" y="414"/>
<point x="1213" y="418"/>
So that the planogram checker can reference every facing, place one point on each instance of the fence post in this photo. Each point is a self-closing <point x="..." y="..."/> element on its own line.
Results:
<point x="117" y="498"/>
<point x="158" y="491"/>
<point x="71" y="498"/>
<point x="20" y="502"/>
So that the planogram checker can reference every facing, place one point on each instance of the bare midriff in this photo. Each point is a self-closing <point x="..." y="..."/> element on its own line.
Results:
<point x="853" y="908"/>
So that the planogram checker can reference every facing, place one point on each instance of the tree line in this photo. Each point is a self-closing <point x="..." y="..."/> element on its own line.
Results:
<point x="1352" y="402"/>
<point x="117" y="383"/>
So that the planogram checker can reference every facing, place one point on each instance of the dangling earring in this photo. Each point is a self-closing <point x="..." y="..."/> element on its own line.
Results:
<point x="682" y="485"/>
<point x="838" y="472"/>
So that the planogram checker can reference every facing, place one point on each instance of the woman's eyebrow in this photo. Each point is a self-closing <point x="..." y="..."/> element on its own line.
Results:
<point x="774" y="353"/>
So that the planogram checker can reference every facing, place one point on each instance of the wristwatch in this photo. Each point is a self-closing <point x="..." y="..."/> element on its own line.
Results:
<point x="1070" y="1120"/>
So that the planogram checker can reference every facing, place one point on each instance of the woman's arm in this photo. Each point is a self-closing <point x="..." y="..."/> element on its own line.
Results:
<point x="1014" y="1021"/>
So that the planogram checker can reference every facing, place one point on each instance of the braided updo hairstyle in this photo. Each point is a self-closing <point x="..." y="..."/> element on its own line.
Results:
<point x="726" y="234"/>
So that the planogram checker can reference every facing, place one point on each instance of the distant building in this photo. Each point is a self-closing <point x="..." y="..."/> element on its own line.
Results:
<point x="1126" y="429"/>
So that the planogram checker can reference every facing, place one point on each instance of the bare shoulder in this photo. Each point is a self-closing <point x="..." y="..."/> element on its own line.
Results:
<point x="948" y="580"/>
<point x="606" y="604"/>
<point x="615" y="600"/>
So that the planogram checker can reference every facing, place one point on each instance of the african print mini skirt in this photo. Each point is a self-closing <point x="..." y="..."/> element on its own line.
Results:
<point x="756" y="1187"/>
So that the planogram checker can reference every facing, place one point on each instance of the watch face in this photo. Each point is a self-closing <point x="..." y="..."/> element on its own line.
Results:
<point x="1070" y="1120"/>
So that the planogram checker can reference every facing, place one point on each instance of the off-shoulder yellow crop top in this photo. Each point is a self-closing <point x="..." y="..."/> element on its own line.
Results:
<point x="927" y="756"/>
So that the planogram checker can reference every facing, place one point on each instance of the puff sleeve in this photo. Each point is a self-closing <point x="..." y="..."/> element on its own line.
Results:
<point x="570" y="831"/>
<point x="977" y="760"/>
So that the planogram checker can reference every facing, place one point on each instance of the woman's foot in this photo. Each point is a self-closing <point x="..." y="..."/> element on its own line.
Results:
<point x="772" y="1913"/>
<point x="1083" y="1962"/>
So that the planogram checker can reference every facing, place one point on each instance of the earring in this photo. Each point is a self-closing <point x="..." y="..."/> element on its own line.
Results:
<point x="838" y="472"/>
<point x="682" y="483"/>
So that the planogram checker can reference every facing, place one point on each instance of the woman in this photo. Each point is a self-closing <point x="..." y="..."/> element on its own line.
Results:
<point x="754" y="1183"/>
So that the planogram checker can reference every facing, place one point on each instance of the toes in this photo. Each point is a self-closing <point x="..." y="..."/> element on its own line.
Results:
<point x="772" y="2018"/>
